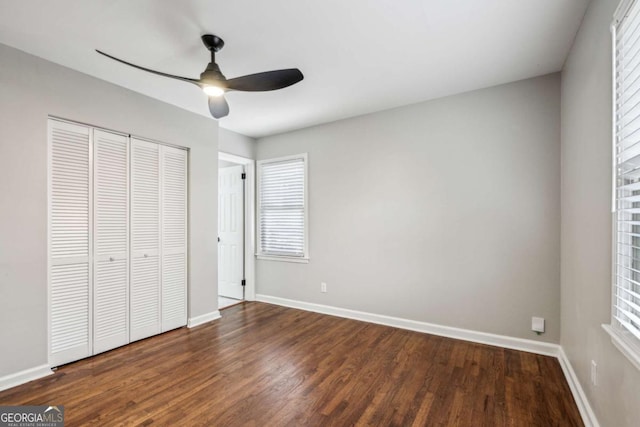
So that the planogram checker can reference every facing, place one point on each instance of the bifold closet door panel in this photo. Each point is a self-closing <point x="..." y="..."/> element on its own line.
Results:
<point x="145" y="292"/>
<point x="70" y="268"/>
<point x="174" y="237"/>
<point x="110" y="241"/>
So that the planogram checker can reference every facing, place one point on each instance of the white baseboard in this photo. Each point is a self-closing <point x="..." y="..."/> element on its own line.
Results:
<point x="588" y="416"/>
<point x="203" y="318"/>
<point x="547" y="349"/>
<point x="521" y="344"/>
<point x="25" y="376"/>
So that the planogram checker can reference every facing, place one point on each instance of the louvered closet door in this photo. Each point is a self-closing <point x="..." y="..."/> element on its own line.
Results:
<point x="174" y="237"/>
<point x="145" y="240"/>
<point x="110" y="241"/>
<point x="69" y="242"/>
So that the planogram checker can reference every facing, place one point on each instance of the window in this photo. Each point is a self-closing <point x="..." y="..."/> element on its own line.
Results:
<point x="282" y="209"/>
<point x="625" y="327"/>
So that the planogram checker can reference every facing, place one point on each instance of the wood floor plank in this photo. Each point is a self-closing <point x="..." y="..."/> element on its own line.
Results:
<point x="263" y="364"/>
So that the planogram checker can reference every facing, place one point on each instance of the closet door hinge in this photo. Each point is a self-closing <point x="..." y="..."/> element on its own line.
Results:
<point x="243" y="282"/>
<point x="244" y="175"/>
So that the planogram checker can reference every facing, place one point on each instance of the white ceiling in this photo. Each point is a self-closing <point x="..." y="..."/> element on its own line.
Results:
<point x="358" y="56"/>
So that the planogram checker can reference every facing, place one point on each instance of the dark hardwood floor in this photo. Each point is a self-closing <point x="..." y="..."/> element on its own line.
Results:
<point x="267" y="365"/>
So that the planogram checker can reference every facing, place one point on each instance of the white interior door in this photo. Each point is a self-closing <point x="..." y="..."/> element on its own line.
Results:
<point x="230" y="232"/>
<point x="110" y="241"/>
<point x="70" y="308"/>
<point x="174" y="237"/>
<point x="145" y="240"/>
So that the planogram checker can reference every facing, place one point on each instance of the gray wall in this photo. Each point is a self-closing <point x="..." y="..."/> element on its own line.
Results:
<point x="586" y="222"/>
<point x="235" y="143"/>
<point x="31" y="89"/>
<point x="446" y="211"/>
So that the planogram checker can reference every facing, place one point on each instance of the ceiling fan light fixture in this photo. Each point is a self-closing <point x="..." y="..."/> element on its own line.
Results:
<point x="213" y="90"/>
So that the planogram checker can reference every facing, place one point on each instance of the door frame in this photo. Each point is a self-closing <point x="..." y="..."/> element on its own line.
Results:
<point x="249" y="223"/>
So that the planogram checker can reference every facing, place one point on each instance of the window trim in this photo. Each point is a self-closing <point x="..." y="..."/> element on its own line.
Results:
<point x="625" y="342"/>
<point x="273" y="257"/>
<point x="622" y="339"/>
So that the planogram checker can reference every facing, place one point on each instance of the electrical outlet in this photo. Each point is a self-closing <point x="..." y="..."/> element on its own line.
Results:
<point x="323" y="287"/>
<point x="537" y="324"/>
<point x="594" y="373"/>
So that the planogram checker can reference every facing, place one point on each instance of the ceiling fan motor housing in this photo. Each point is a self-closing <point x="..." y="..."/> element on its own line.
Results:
<point x="212" y="74"/>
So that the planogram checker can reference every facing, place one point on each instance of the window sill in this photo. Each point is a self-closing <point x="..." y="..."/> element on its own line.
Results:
<point x="297" y="260"/>
<point x="625" y="343"/>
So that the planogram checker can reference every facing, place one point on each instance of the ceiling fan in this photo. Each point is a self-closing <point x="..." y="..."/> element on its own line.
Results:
<point x="215" y="84"/>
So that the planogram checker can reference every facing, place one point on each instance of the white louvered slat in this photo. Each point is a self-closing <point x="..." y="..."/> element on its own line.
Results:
<point x="69" y="190"/>
<point x="70" y="310"/>
<point x="145" y="290"/>
<point x="110" y="305"/>
<point x="145" y="297"/>
<point x="174" y="237"/>
<point x="174" y="298"/>
<point x="69" y="242"/>
<point x="145" y="197"/>
<point x="111" y="212"/>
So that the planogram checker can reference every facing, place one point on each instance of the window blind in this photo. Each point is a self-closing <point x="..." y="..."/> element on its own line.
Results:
<point x="282" y="207"/>
<point x="626" y="293"/>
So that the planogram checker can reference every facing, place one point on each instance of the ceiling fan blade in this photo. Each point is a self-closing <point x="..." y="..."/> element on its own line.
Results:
<point x="218" y="106"/>
<point x="184" y="79"/>
<point x="269" y="80"/>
